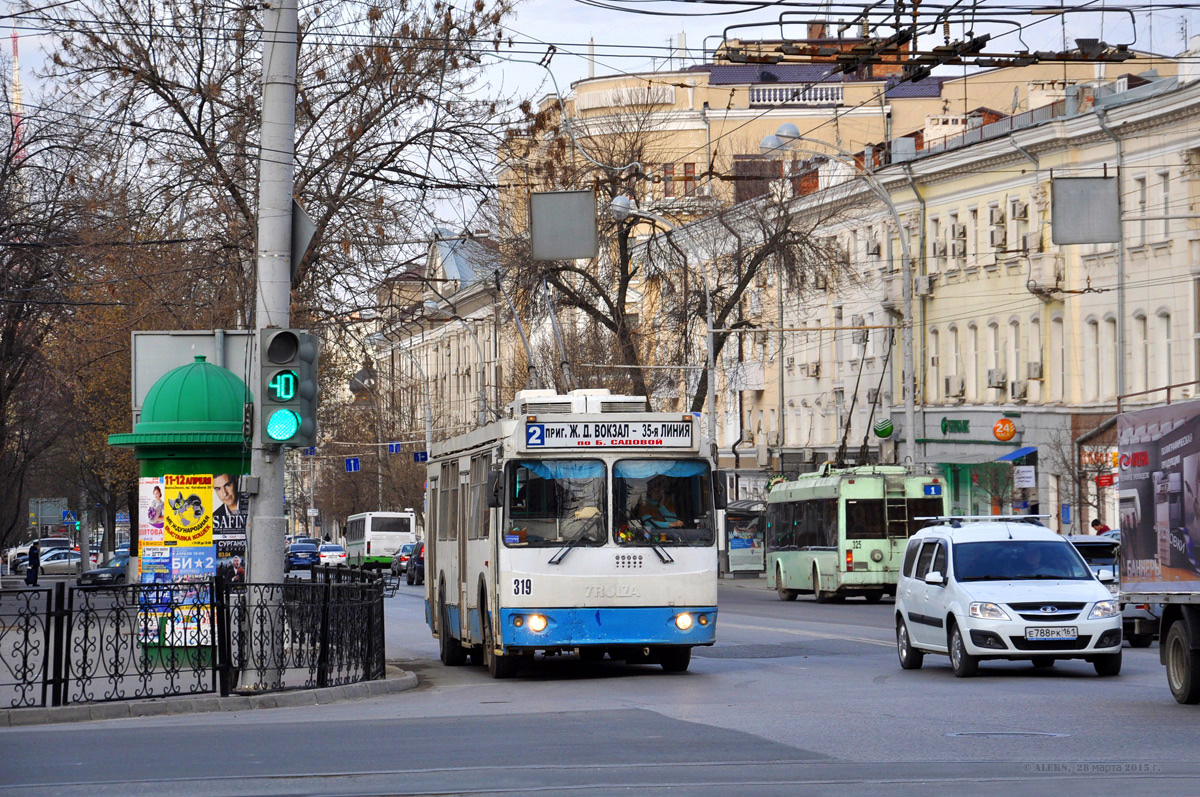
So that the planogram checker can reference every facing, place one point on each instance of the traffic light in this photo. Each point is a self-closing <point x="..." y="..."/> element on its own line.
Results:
<point x="288" y="389"/>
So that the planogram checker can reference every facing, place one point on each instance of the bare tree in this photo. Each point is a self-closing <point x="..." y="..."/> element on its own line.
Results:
<point x="389" y="115"/>
<point x="1082" y="465"/>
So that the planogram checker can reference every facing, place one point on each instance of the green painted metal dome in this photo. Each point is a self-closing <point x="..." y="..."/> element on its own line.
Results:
<point x="195" y="403"/>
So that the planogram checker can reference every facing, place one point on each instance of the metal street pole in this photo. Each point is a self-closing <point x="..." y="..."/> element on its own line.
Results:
<point x="268" y="526"/>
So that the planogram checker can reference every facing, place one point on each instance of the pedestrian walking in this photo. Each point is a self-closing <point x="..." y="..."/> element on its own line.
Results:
<point x="33" y="565"/>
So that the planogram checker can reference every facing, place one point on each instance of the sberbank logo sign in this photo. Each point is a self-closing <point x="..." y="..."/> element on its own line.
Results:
<point x="950" y="426"/>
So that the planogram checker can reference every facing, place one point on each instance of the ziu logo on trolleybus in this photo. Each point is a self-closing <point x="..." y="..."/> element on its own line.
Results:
<point x="657" y="434"/>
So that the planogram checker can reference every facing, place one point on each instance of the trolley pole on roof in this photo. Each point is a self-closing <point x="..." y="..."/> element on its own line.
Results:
<point x="268" y="526"/>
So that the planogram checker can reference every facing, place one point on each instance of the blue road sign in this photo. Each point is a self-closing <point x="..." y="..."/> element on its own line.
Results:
<point x="68" y="515"/>
<point x="122" y="517"/>
<point x="420" y="456"/>
<point x="352" y="465"/>
<point x="1066" y="513"/>
<point x="395" y="448"/>
<point x="311" y="451"/>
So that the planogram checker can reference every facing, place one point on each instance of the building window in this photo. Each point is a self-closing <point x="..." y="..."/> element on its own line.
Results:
<point x="973" y="354"/>
<point x="973" y="234"/>
<point x="1163" y="376"/>
<point x="1110" y="359"/>
<point x="1092" y="372"/>
<point x="993" y="345"/>
<point x="1141" y="353"/>
<point x="1058" y="357"/>
<point x="689" y="179"/>
<point x="1165" y="186"/>
<point x="1014" y="351"/>
<point x="669" y="180"/>
<point x="954" y="364"/>
<point x="1139" y="192"/>
<point x="935" y="371"/>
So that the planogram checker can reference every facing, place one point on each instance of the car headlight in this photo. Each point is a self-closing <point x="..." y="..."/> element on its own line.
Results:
<point x="103" y="576"/>
<point x="1104" y="609"/>
<point x="983" y="610"/>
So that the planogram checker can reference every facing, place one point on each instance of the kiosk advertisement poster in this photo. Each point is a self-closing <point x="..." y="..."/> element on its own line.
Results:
<point x="155" y="568"/>
<point x="150" y="511"/>
<point x="188" y="519"/>
<point x="229" y="527"/>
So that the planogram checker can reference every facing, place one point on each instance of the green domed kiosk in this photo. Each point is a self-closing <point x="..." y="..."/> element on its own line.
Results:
<point x="191" y="423"/>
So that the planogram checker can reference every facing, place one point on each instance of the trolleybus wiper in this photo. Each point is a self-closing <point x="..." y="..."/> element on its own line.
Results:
<point x="571" y="543"/>
<point x="663" y="556"/>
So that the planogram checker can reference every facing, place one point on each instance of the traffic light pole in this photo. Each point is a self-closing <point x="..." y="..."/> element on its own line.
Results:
<point x="268" y="525"/>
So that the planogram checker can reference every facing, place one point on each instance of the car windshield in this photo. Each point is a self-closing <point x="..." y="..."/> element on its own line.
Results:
<point x="1018" y="560"/>
<point x="662" y="502"/>
<point x="555" y="501"/>
<point x="407" y="548"/>
<point x="331" y="549"/>
<point x="302" y="549"/>
<point x="120" y="560"/>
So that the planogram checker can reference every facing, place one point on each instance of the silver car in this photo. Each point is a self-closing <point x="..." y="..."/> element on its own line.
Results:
<point x="1103" y="555"/>
<point x="59" y="561"/>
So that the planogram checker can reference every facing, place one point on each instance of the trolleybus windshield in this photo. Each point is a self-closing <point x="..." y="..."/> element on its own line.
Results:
<point x="662" y="502"/>
<point x="552" y="501"/>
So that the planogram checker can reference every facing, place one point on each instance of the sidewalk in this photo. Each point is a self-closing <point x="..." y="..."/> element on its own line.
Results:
<point x="396" y="680"/>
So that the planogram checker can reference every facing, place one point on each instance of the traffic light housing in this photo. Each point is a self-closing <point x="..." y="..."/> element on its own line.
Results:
<point x="288" y="388"/>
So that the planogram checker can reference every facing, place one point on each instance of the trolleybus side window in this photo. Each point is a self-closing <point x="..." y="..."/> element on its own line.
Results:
<point x="477" y="523"/>
<point x="662" y="502"/>
<point x="553" y="501"/>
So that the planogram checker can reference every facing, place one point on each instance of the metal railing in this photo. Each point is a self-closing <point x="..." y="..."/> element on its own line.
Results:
<point x="67" y="644"/>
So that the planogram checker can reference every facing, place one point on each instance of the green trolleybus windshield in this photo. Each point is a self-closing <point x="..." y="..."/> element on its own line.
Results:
<point x="657" y="502"/>
<point x="554" y="501"/>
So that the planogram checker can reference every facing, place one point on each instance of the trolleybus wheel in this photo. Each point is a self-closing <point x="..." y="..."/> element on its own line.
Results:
<point x="451" y="650"/>
<point x="675" y="659"/>
<point x="499" y="666"/>
<point x="821" y="595"/>
<point x="1183" y="665"/>
<point x="784" y="593"/>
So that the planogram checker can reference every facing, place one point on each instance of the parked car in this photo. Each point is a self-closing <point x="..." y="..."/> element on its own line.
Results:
<point x="1102" y="552"/>
<point x="331" y="554"/>
<point x="59" y="561"/>
<point x="401" y="557"/>
<point x="1003" y="589"/>
<point x="415" y="570"/>
<point x="299" y="556"/>
<point x="112" y="572"/>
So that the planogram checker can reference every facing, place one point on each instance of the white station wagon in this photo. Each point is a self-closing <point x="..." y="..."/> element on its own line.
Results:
<point x="1002" y="588"/>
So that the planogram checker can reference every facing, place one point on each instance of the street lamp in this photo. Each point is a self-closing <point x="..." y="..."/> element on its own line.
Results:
<point x="622" y="208"/>
<point x="788" y="137"/>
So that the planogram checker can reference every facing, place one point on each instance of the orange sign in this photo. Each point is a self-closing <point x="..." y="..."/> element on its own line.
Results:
<point x="1004" y="430"/>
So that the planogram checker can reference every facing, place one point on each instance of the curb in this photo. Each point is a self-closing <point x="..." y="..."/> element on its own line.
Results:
<point x="396" y="680"/>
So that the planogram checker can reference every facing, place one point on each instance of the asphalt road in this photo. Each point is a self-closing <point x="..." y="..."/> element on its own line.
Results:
<point x="796" y="698"/>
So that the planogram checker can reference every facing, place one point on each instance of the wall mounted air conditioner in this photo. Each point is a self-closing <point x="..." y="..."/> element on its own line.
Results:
<point x="958" y="231"/>
<point x="1033" y="370"/>
<point x="997" y="378"/>
<point x="958" y="249"/>
<point x="874" y="248"/>
<point x="1019" y="389"/>
<point x="923" y="286"/>
<point x="1032" y="242"/>
<point x="995" y="216"/>
<point x="938" y="248"/>
<point x="1020" y="211"/>
<point x="956" y="387"/>
<point x="998" y="238"/>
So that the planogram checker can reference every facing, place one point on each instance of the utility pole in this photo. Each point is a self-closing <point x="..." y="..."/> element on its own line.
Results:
<point x="268" y="526"/>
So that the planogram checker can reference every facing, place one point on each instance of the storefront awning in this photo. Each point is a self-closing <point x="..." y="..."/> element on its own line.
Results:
<point x="1020" y="452"/>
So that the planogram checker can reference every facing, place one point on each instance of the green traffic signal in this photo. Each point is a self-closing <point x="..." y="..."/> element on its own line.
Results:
<point x="282" y="425"/>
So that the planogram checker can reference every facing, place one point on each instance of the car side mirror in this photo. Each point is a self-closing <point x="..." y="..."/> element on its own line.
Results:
<point x="495" y="484"/>
<point x="935" y="578"/>
<point x="720" y="498"/>
<point x="1106" y="576"/>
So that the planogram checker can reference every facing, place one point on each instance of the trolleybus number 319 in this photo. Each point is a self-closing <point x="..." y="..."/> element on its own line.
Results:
<point x="522" y="586"/>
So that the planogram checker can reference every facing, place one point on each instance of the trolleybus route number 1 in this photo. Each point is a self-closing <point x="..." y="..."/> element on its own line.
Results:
<point x="571" y="435"/>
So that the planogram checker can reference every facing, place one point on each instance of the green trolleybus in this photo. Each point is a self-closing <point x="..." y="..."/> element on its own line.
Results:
<point x="841" y="532"/>
<point x="373" y="537"/>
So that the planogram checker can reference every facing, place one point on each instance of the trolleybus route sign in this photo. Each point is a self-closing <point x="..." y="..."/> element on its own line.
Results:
<point x="610" y="434"/>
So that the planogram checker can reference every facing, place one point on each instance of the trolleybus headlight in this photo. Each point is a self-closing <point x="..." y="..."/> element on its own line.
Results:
<point x="683" y="621"/>
<point x="518" y="621"/>
<point x="703" y="619"/>
<point x="537" y="623"/>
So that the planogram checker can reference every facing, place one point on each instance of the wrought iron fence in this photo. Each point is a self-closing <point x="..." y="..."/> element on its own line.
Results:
<point x="70" y="644"/>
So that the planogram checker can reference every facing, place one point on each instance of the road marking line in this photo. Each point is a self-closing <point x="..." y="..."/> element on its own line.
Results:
<point x="864" y="640"/>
